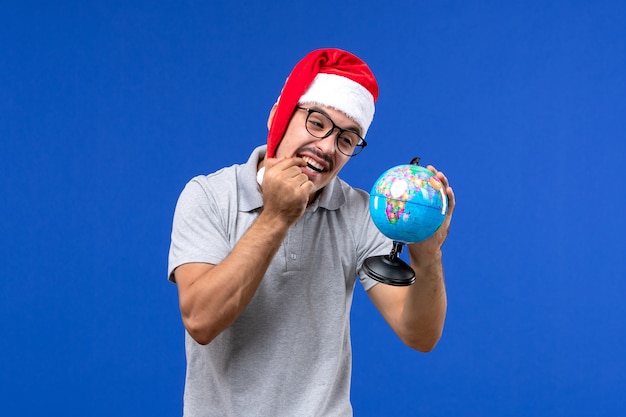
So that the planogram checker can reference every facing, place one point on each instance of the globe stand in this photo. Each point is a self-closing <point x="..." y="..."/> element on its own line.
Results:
<point x="390" y="269"/>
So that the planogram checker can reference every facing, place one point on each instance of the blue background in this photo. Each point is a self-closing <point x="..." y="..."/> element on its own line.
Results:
<point x="108" y="108"/>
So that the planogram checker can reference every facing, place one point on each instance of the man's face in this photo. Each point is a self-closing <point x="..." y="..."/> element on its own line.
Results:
<point x="322" y="156"/>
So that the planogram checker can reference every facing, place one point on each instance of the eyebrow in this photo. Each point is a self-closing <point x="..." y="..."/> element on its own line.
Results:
<point x="355" y="128"/>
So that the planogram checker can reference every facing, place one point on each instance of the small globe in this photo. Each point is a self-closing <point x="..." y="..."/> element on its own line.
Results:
<point x="408" y="203"/>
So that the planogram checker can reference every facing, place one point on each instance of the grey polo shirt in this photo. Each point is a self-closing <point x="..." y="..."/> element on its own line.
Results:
<point x="289" y="353"/>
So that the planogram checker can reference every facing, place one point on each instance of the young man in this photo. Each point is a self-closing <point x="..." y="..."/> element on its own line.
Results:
<point x="266" y="254"/>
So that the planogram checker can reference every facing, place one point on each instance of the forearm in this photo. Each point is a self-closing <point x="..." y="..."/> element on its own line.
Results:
<point x="212" y="300"/>
<point x="425" y="306"/>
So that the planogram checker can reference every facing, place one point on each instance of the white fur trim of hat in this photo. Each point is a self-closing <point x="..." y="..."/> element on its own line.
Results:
<point x="342" y="94"/>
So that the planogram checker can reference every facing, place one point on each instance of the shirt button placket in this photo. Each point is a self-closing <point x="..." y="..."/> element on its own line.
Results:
<point x="294" y="246"/>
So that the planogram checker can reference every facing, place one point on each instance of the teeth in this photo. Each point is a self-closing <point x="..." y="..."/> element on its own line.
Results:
<point x="313" y="164"/>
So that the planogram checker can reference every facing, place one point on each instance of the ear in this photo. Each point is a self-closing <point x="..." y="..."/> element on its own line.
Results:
<point x="271" y="116"/>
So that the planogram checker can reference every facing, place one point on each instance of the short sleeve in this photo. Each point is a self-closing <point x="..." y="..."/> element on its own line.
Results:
<point x="199" y="231"/>
<point x="370" y="242"/>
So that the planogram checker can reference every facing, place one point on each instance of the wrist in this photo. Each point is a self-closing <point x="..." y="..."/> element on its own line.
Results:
<point x="272" y="223"/>
<point x="422" y="258"/>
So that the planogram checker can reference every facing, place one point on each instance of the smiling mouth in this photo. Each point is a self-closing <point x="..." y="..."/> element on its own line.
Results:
<point x="312" y="165"/>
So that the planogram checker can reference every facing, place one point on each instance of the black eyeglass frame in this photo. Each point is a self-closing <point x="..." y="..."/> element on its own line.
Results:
<point x="358" y="147"/>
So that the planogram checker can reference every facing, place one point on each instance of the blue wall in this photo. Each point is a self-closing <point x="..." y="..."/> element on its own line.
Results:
<point x="108" y="108"/>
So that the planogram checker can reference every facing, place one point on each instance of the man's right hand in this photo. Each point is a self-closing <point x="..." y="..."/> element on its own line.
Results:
<point x="286" y="189"/>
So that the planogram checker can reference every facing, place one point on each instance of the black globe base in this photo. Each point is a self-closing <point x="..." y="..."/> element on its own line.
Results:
<point x="389" y="269"/>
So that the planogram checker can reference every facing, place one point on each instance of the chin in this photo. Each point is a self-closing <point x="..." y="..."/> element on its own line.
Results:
<point x="320" y="183"/>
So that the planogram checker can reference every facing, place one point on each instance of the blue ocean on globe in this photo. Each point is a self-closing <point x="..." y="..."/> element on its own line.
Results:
<point x="408" y="203"/>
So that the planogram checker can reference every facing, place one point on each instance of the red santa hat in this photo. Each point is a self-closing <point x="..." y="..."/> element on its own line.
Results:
<point x="328" y="77"/>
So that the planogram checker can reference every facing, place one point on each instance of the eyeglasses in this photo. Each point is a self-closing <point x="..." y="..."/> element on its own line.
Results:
<point x="321" y="126"/>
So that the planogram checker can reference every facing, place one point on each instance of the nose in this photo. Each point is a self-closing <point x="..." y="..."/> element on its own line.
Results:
<point x="328" y="144"/>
